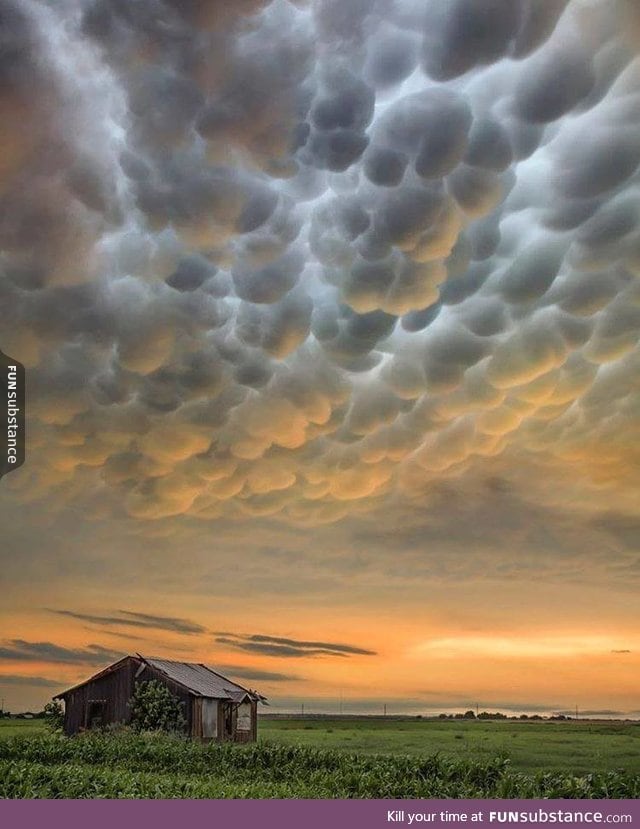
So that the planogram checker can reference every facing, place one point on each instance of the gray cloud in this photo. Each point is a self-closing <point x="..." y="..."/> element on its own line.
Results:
<point x="280" y="646"/>
<point x="19" y="650"/>
<point x="164" y="622"/>
<point x="21" y="680"/>
<point x="265" y="649"/>
<point x="257" y="674"/>
<point x="624" y="528"/>
<point x="128" y="618"/>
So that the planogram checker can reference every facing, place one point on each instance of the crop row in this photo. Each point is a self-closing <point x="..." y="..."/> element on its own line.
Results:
<point x="142" y="766"/>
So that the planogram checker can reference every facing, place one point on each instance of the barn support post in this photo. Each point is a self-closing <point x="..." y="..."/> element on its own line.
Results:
<point x="196" y="717"/>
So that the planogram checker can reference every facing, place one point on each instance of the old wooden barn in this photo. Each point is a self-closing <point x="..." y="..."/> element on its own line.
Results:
<point x="215" y="707"/>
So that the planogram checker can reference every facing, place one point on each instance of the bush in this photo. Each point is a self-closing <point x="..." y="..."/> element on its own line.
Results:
<point x="154" y="708"/>
<point x="54" y="715"/>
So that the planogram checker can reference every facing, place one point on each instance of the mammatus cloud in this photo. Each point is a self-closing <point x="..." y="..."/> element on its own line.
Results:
<point x="17" y="650"/>
<point x="128" y="618"/>
<point x="279" y="646"/>
<point x="298" y="260"/>
<point x="625" y="528"/>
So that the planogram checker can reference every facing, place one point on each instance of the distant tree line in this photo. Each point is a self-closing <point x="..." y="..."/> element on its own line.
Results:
<point x="498" y="715"/>
<point x="24" y="715"/>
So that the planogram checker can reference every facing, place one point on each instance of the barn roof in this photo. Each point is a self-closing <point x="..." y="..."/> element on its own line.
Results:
<point x="194" y="677"/>
<point x="201" y="680"/>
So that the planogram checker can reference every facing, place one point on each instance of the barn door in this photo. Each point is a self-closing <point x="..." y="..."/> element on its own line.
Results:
<point x="209" y="719"/>
<point x="227" y="720"/>
<point x="95" y="713"/>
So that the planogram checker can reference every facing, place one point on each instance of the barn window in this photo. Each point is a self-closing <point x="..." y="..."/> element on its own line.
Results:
<point x="244" y="717"/>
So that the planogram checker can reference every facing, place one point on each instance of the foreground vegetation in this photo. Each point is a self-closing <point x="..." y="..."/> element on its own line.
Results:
<point x="126" y="765"/>
<point x="572" y="747"/>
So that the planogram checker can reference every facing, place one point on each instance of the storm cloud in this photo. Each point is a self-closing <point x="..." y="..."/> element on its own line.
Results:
<point x="298" y="260"/>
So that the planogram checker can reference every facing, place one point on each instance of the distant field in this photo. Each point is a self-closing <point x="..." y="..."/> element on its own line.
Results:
<point x="576" y="747"/>
<point x="20" y="728"/>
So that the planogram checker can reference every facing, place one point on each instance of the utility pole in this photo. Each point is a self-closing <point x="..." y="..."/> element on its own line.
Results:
<point x="385" y="709"/>
<point x="576" y="711"/>
<point x="302" y="709"/>
<point x="340" y="703"/>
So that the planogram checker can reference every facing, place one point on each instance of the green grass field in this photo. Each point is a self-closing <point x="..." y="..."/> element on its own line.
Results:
<point x="328" y="758"/>
<point x="576" y="747"/>
<point x="20" y="728"/>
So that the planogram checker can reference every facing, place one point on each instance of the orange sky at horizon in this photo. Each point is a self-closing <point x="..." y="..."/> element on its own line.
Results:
<point x="423" y="660"/>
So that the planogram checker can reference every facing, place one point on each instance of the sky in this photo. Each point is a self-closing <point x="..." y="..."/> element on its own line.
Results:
<point x="330" y="317"/>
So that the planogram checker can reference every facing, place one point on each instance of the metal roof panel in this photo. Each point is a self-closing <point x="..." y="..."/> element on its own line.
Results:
<point x="199" y="679"/>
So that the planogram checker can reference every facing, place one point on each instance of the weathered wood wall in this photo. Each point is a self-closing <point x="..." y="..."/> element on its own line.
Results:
<point x="115" y="688"/>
